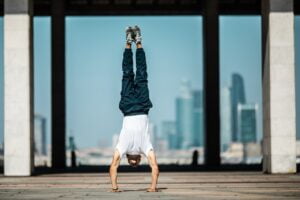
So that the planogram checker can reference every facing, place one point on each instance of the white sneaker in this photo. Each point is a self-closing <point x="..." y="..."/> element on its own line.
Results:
<point x="137" y="34"/>
<point x="129" y="35"/>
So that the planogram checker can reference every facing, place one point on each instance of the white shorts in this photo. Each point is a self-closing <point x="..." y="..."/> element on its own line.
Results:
<point x="134" y="138"/>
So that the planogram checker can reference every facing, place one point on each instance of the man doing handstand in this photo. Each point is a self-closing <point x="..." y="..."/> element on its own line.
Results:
<point x="134" y="138"/>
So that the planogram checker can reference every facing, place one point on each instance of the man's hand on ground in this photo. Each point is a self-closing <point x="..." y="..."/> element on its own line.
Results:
<point x="116" y="190"/>
<point x="152" y="190"/>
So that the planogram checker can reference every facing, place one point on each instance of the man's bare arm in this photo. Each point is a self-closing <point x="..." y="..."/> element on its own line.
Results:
<point x="113" y="170"/>
<point x="155" y="171"/>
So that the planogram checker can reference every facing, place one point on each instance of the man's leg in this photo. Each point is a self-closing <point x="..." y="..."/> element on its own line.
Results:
<point x="127" y="91"/>
<point x="141" y="78"/>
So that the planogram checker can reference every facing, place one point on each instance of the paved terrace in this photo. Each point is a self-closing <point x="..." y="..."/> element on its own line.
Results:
<point x="181" y="185"/>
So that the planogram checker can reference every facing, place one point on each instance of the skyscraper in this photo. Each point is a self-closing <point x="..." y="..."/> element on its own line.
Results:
<point x="198" y="118"/>
<point x="225" y="118"/>
<point x="237" y="97"/>
<point x="184" y="116"/>
<point x="168" y="129"/>
<point x="247" y="124"/>
<point x="40" y="135"/>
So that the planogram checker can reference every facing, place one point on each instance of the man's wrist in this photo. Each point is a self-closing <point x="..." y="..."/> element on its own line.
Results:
<point x="153" y="187"/>
<point x="116" y="189"/>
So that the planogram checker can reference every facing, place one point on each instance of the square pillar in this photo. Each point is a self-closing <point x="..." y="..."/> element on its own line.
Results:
<point x="279" y="117"/>
<point x="211" y="83"/>
<point x="18" y="88"/>
<point x="58" y="91"/>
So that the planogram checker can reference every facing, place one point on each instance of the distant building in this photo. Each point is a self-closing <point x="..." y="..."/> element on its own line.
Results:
<point x="247" y="122"/>
<point x="225" y="118"/>
<point x="161" y="145"/>
<point x="1" y="149"/>
<point x="72" y="145"/>
<point x="184" y="116"/>
<point x="40" y="135"/>
<point x="198" y="129"/>
<point x="168" y="130"/>
<point x="237" y="97"/>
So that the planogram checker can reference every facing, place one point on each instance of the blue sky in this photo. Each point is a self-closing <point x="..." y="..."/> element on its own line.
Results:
<point x="94" y="57"/>
<point x="173" y="45"/>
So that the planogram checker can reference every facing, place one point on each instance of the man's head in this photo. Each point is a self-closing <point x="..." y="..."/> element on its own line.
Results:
<point x="133" y="160"/>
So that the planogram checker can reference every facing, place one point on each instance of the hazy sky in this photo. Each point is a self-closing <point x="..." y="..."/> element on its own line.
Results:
<point x="173" y="45"/>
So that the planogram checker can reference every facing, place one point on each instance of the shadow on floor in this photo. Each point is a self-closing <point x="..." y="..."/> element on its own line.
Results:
<point x="146" y="168"/>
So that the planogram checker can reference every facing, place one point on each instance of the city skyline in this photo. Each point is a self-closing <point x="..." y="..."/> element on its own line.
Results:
<point x="189" y="109"/>
<point x="187" y="131"/>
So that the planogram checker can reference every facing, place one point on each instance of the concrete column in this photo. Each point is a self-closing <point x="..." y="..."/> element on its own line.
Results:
<point x="18" y="88"/>
<point x="58" y="85"/>
<point x="279" y="139"/>
<point x="211" y="83"/>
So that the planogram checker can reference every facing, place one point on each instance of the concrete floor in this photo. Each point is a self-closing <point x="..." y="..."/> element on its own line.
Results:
<point x="182" y="185"/>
